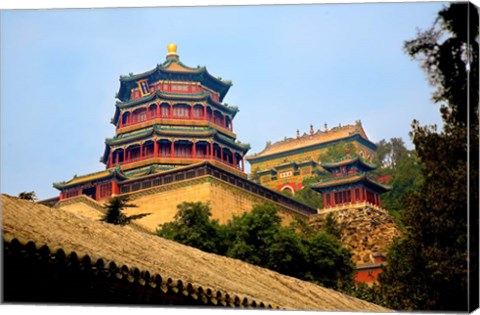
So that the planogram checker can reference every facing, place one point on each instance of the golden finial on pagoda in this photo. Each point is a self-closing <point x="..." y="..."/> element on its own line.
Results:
<point x="172" y="51"/>
<point x="172" y="48"/>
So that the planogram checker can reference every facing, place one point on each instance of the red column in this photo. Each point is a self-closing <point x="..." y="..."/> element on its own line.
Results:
<point x="224" y="122"/>
<point x="243" y="165"/>
<point x="194" y="147"/>
<point x="120" y="123"/>
<point x="158" y="111"/>
<point x="141" y="151"/>
<point x="221" y="154"/>
<point x="115" y="188"/>
<point x="204" y="112"/>
<point x="352" y="195"/>
<point x="155" y="148"/>
<point x="211" y="150"/>
<point x="170" y="113"/>
<point x="124" y="156"/>
<point x="231" y="124"/>
<point x="191" y="112"/>
<point x="234" y="161"/>
<point x="172" y="149"/>
<point x="128" y="156"/>
<point x="97" y="192"/>
<point x="109" y="160"/>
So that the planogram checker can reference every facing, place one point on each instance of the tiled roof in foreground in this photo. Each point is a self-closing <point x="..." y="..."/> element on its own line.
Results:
<point x="179" y="267"/>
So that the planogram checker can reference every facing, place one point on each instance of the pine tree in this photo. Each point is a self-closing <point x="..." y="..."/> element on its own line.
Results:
<point x="114" y="208"/>
<point x="28" y="195"/>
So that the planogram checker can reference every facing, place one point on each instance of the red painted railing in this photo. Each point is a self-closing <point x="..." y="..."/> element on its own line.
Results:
<point x="188" y="156"/>
<point x="132" y="123"/>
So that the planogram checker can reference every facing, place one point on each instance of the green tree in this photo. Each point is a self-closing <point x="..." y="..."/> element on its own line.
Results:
<point x="384" y="149"/>
<point x="331" y="227"/>
<point x="337" y="151"/>
<point x="406" y="178"/>
<point x="391" y="153"/>
<point x="28" y="195"/>
<point x="309" y="197"/>
<point x="192" y="226"/>
<point x="429" y="268"/>
<point x="258" y="237"/>
<point x="251" y="234"/>
<point x="115" y="207"/>
<point x="328" y="262"/>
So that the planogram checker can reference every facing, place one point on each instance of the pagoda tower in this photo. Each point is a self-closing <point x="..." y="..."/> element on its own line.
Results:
<point x="349" y="184"/>
<point x="167" y="118"/>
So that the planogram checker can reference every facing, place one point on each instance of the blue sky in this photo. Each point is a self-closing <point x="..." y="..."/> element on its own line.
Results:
<point x="291" y="66"/>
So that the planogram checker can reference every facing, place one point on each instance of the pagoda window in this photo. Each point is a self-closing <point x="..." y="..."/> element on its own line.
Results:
<point x="183" y="150"/>
<point x="218" y="118"/>
<point x="370" y="197"/>
<point x="228" y="122"/>
<point x="216" y="151"/>
<point x="117" y="157"/>
<point x="181" y="111"/>
<point x="125" y="118"/>
<point x="152" y="111"/>
<point x="201" y="149"/>
<point x="327" y="199"/>
<point x="148" y="149"/>
<point x="164" y="148"/>
<point x="198" y="112"/>
<point x="165" y="110"/>
<point x="105" y="190"/>
<point x="209" y="114"/>
<point x="72" y="193"/>
<point x="133" y="153"/>
<point x="139" y="115"/>
<point x="228" y="156"/>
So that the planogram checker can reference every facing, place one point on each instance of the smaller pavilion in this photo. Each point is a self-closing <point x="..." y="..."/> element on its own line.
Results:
<point x="349" y="184"/>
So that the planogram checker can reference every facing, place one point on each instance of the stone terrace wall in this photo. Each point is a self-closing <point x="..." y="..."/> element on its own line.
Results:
<point x="365" y="230"/>
<point x="226" y="200"/>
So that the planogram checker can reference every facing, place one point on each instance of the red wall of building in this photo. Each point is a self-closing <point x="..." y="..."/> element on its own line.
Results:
<point x="368" y="276"/>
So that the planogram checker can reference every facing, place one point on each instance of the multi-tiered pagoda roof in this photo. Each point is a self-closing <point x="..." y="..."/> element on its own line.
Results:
<point x="167" y="118"/>
<point x="349" y="183"/>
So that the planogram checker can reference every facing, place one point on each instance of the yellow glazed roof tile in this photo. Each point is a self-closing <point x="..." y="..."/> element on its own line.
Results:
<point x="307" y="140"/>
<point x="175" y="66"/>
<point x="89" y="177"/>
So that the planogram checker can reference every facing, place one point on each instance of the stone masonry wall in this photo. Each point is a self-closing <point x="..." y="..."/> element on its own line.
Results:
<point x="225" y="201"/>
<point x="365" y="230"/>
